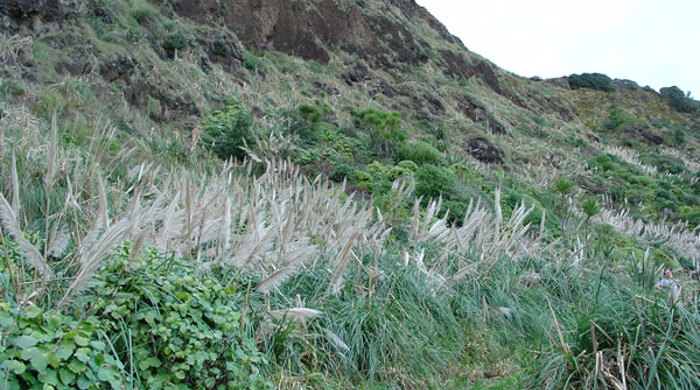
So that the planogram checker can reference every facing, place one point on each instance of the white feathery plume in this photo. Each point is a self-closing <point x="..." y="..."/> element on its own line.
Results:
<point x="275" y="280"/>
<point x="297" y="313"/>
<point x="59" y="242"/>
<point x="15" y="186"/>
<point x="11" y="226"/>
<point x="335" y="340"/>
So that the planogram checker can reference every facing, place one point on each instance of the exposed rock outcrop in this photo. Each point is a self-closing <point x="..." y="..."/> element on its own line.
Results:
<point x="15" y="14"/>
<point x="312" y="29"/>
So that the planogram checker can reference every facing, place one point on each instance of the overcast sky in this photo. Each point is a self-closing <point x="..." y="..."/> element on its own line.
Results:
<point x="652" y="42"/>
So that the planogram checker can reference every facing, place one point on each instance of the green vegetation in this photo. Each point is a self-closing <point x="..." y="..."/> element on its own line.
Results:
<point x="596" y="81"/>
<point x="225" y="131"/>
<point x="383" y="130"/>
<point x="678" y="100"/>
<point x="173" y="216"/>
<point x="651" y="197"/>
<point x="47" y="348"/>
<point x="420" y="153"/>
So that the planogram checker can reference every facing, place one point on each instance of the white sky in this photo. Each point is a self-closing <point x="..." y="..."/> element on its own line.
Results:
<point x="652" y="42"/>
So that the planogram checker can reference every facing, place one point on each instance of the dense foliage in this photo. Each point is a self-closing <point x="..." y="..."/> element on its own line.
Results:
<point x="678" y="100"/>
<point x="225" y="131"/>
<point x="597" y="81"/>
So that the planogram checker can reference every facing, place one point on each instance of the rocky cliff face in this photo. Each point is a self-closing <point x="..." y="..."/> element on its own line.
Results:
<point x="313" y="29"/>
<point x="382" y="34"/>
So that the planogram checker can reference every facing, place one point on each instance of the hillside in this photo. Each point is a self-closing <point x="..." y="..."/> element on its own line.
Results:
<point x="408" y="213"/>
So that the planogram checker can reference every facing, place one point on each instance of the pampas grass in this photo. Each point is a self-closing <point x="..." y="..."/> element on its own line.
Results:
<point x="12" y="228"/>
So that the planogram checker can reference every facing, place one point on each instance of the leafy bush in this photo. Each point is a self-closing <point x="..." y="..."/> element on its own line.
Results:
<point x="175" y="41"/>
<point x="404" y="168"/>
<point x="617" y="119"/>
<point x="310" y="113"/>
<point x="597" y="81"/>
<point x="664" y="163"/>
<point x="187" y="326"/>
<point x="420" y="153"/>
<point x="343" y="172"/>
<point x="433" y="181"/>
<point x="383" y="129"/>
<point x="46" y="348"/>
<point x="220" y="48"/>
<point x="144" y="13"/>
<point x="225" y="131"/>
<point x="676" y="99"/>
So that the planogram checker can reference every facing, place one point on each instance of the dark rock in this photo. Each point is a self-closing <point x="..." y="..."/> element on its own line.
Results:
<point x="381" y="86"/>
<point x="204" y="63"/>
<point x="311" y="29"/>
<point x="593" y="137"/>
<point x="484" y="69"/>
<point x="653" y="138"/>
<point x="455" y="63"/>
<point x="22" y="12"/>
<point x="174" y="107"/>
<point x="475" y="111"/>
<point x="472" y="108"/>
<point x="495" y="126"/>
<point x="357" y="74"/>
<point x="137" y="93"/>
<point x="121" y="68"/>
<point x="435" y="105"/>
<point x="484" y="151"/>
<point x="75" y="67"/>
<point x="258" y="112"/>
<point x="104" y="14"/>
<point x="223" y="50"/>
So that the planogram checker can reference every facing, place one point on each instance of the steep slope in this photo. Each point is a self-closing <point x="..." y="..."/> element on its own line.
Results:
<point x="163" y="65"/>
<point x="407" y="210"/>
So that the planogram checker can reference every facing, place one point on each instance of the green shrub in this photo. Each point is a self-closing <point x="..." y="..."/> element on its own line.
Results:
<point x="407" y="168"/>
<point x="383" y="129"/>
<point x="343" y="172"/>
<point x="144" y="14"/>
<point x="225" y="131"/>
<point x="9" y="88"/>
<point x="597" y="81"/>
<point x="677" y="100"/>
<point x="617" y="119"/>
<point x="665" y="163"/>
<point x="433" y="181"/>
<point x="175" y="41"/>
<point x="540" y="121"/>
<point x="310" y="113"/>
<point x="172" y="327"/>
<point x="51" y="103"/>
<point x="220" y="48"/>
<point x="47" y="348"/>
<point x="420" y="153"/>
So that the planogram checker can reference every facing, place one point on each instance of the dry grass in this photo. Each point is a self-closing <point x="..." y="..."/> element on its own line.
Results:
<point x="677" y="236"/>
<point x="484" y="234"/>
<point x="276" y="223"/>
<point x="631" y="157"/>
